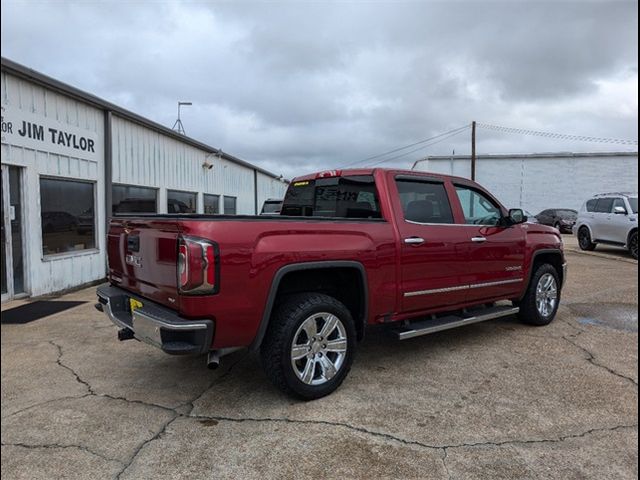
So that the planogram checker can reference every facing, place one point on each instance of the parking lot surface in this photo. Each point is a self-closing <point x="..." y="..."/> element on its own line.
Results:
<point x="492" y="400"/>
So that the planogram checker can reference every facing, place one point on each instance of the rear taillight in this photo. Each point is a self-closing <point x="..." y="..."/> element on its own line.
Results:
<point x="198" y="266"/>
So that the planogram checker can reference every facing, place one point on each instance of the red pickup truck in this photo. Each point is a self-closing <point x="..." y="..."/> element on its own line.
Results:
<point x="416" y="251"/>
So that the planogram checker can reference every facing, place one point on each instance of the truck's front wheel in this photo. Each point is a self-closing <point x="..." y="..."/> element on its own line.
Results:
<point x="540" y="304"/>
<point x="310" y="344"/>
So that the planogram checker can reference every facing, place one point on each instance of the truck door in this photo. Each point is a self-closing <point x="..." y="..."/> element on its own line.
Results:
<point x="431" y="258"/>
<point x="495" y="254"/>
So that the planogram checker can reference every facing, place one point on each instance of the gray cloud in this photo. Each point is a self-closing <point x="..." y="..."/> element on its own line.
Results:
<point x="297" y="87"/>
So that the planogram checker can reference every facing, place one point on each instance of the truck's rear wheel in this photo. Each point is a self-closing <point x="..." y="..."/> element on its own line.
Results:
<point x="310" y="344"/>
<point x="540" y="304"/>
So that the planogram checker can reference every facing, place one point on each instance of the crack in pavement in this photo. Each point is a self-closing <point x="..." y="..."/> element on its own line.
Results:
<point x="404" y="441"/>
<point x="73" y="372"/>
<point x="215" y="381"/>
<point x="592" y="359"/>
<point x="62" y="446"/>
<point x="142" y="445"/>
<point x="445" y="454"/>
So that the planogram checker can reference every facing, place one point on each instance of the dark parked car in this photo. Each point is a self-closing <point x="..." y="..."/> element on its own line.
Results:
<point x="562" y="218"/>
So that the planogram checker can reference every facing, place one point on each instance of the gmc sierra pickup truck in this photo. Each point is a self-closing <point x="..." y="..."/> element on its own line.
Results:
<point x="415" y="251"/>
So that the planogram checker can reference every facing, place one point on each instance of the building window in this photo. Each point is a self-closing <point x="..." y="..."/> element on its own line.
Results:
<point x="181" y="202"/>
<point x="130" y="199"/>
<point x="68" y="218"/>
<point x="211" y="204"/>
<point x="229" y="205"/>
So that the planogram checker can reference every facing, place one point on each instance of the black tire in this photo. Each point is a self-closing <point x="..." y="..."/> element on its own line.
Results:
<point x="584" y="239"/>
<point x="529" y="312"/>
<point x="633" y="244"/>
<point x="276" y="349"/>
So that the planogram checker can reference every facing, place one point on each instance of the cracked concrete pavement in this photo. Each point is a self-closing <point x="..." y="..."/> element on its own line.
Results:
<point x="492" y="400"/>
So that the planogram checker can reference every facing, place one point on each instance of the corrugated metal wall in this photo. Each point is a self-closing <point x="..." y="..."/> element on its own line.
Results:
<point x="142" y="156"/>
<point x="27" y="100"/>
<point x="537" y="183"/>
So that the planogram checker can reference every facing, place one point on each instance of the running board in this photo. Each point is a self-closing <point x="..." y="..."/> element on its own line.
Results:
<point x="425" y="327"/>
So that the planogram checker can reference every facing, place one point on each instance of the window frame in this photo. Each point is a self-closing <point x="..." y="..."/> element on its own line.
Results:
<point x="432" y="181"/>
<point x="49" y="257"/>
<point x="235" y="205"/>
<point x="155" y="189"/>
<point x="204" y="203"/>
<point x="195" y="194"/>
<point x="482" y="192"/>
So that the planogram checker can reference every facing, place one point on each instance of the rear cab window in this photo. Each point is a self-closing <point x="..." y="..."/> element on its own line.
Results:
<point x="352" y="196"/>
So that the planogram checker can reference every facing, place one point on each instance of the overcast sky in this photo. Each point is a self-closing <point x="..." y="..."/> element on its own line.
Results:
<point x="299" y="87"/>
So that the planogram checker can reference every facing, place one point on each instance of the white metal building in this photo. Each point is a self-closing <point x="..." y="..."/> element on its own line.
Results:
<point x="70" y="160"/>
<point x="539" y="181"/>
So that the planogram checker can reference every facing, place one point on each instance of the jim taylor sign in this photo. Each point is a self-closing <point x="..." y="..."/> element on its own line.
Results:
<point x="38" y="132"/>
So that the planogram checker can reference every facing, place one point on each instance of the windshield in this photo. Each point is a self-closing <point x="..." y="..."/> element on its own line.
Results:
<point x="633" y="201"/>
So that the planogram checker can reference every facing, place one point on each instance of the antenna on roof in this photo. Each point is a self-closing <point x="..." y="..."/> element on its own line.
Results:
<point x="178" y="126"/>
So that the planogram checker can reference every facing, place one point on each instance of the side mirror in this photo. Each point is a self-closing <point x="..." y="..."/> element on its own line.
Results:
<point x="619" y="210"/>
<point x="516" y="215"/>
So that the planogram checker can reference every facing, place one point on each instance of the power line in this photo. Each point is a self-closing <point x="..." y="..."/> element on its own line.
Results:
<point x="557" y="136"/>
<point x="373" y="157"/>
<point x="421" y="147"/>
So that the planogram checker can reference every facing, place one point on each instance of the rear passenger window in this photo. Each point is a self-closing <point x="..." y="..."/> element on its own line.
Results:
<point x="345" y="197"/>
<point x="591" y="205"/>
<point x="424" y="202"/>
<point x="604" y="205"/>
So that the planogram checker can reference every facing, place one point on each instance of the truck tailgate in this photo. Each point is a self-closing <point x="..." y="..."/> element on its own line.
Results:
<point x="143" y="257"/>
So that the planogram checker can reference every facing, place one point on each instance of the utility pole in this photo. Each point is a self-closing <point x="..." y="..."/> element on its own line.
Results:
<point x="473" y="150"/>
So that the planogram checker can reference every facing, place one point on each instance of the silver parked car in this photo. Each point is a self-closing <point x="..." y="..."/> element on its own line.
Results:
<point x="609" y="218"/>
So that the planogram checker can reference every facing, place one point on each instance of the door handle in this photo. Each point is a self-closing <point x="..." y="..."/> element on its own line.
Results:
<point x="414" y="240"/>
<point x="478" y="239"/>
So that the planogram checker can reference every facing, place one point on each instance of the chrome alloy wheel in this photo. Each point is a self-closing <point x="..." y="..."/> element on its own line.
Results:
<point x="319" y="348"/>
<point x="546" y="295"/>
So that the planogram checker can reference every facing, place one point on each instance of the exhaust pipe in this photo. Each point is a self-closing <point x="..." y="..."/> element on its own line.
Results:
<point x="213" y="360"/>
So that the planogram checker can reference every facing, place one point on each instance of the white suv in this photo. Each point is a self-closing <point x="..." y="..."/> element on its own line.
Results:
<point x="609" y="218"/>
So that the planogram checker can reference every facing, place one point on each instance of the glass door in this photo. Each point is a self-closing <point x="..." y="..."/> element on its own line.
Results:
<point x="12" y="229"/>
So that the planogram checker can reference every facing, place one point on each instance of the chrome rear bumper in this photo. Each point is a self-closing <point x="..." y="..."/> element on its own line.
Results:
<point x="154" y="324"/>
